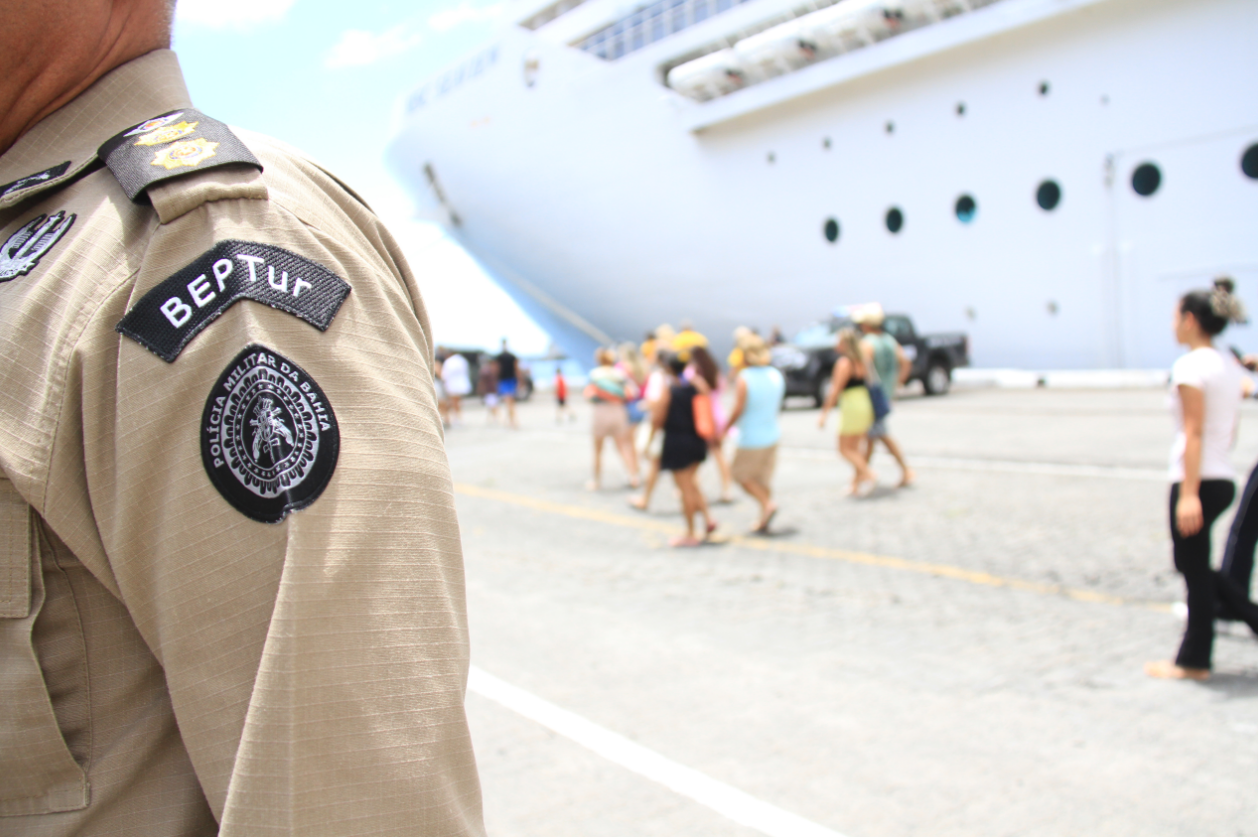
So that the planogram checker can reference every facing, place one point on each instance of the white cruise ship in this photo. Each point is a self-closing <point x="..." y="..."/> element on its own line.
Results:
<point x="1044" y="175"/>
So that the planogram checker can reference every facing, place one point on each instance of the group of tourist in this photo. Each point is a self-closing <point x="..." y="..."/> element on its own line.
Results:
<point x="663" y="406"/>
<point x="497" y="383"/>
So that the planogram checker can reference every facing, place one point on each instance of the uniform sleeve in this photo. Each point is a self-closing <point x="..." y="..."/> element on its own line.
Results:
<point x="277" y="513"/>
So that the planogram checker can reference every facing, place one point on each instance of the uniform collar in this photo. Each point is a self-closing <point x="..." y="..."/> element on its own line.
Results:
<point x="127" y="95"/>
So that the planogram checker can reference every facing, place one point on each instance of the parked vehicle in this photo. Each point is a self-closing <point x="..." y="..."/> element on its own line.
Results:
<point x="807" y="361"/>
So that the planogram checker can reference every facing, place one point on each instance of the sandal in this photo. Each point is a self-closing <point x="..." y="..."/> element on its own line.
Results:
<point x="684" y="541"/>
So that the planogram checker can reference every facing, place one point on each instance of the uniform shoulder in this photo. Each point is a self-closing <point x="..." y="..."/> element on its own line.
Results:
<point x="179" y="147"/>
<point x="301" y="184"/>
<point x="182" y="160"/>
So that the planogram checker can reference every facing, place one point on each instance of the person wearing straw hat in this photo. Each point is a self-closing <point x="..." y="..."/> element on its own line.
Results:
<point x="758" y="396"/>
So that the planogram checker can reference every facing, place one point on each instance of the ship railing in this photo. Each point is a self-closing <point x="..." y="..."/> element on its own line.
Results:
<point x="651" y="23"/>
<point x="806" y="35"/>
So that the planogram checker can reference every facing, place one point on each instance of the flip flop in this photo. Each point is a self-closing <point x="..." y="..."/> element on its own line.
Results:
<point x="684" y="542"/>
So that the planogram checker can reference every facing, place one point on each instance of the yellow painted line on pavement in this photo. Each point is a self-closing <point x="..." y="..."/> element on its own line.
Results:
<point x="805" y="549"/>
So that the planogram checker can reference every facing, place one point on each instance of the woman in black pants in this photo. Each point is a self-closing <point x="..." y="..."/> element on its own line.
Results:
<point x="1238" y="558"/>
<point x="1206" y="392"/>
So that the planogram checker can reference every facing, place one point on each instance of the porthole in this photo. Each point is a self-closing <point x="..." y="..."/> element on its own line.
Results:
<point x="960" y="108"/>
<point x="895" y="219"/>
<point x="825" y="143"/>
<point x="772" y="158"/>
<point x="1249" y="162"/>
<point x="1146" y="179"/>
<point x="1048" y="195"/>
<point x="1044" y="88"/>
<point x="966" y="208"/>
<point x="890" y="127"/>
<point x="831" y="230"/>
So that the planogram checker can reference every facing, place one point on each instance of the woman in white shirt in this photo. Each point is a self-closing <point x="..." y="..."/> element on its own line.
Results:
<point x="454" y="375"/>
<point x="1205" y="397"/>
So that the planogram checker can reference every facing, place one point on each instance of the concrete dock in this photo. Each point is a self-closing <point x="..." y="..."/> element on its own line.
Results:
<point x="963" y="657"/>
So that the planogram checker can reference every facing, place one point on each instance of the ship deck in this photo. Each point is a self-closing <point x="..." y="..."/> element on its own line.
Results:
<point x="963" y="657"/>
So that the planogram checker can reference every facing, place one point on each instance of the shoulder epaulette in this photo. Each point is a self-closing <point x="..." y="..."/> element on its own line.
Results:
<point x="169" y="146"/>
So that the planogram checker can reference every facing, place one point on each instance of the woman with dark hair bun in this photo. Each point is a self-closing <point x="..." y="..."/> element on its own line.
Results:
<point x="1205" y="397"/>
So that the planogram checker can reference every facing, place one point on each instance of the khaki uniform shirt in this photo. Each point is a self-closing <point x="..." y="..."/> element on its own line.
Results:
<point x="171" y="664"/>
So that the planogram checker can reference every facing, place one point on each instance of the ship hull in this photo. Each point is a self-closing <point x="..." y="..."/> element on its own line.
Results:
<point x="606" y="203"/>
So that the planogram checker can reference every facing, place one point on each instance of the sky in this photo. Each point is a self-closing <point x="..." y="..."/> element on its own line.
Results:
<point x="325" y="76"/>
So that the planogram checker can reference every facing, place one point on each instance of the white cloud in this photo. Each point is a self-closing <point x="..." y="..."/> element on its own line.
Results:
<point x="358" y="47"/>
<point x="235" y="14"/>
<point x="446" y="20"/>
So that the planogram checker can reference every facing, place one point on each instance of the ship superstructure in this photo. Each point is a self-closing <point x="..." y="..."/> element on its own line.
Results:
<point x="1045" y="175"/>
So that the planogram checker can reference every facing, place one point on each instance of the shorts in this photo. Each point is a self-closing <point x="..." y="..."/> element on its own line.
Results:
<point x="610" y="420"/>
<point x="561" y="400"/>
<point x="754" y="465"/>
<point x="506" y="389"/>
<point x="878" y="429"/>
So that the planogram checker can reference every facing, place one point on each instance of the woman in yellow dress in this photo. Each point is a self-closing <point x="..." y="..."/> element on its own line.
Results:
<point x="856" y="411"/>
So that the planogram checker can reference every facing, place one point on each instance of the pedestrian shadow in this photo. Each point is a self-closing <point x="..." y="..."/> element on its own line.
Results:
<point x="1233" y="684"/>
<point x="777" y="532"/>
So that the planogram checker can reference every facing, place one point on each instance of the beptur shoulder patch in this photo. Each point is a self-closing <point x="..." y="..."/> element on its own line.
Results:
<point x="269" y="438"/>
<point x="171" y="314"/>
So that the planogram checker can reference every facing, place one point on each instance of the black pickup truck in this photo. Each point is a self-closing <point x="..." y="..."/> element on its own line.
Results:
<point x="807" y="361"/>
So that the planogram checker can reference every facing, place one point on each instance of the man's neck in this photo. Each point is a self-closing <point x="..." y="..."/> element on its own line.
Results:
<point x="45" y="64"/>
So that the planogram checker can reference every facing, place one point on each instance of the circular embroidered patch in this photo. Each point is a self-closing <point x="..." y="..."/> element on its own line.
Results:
<point x="269" y="438"/>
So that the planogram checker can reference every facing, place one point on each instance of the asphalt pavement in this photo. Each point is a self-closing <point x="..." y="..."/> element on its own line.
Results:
<point x="962" y="657"/>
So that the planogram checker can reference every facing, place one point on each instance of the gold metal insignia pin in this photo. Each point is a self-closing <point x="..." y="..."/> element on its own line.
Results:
<point x="168" y="133"/>
<point x="185" y="153"/>
<point x="145" y="127"/>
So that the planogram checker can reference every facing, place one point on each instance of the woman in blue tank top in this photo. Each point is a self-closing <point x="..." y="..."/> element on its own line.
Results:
<point x="758" y="398"/>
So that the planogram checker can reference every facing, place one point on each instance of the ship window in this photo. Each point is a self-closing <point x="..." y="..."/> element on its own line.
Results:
<point x="890" y="127"/>
<point x="1044" y="88"/>
<point x="831" y="230"/>
<point x="825" y="143"/>
<point x="960" y="108"/>
<point x="1146" y="179"/>
<point x="1249" y="162"/>
<point x="966" y="209"/>
<point x="1048" y="195"/>
<point x="895" y="219"/>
